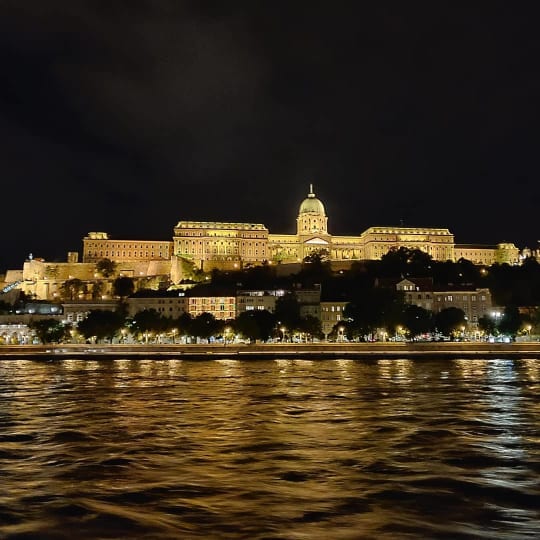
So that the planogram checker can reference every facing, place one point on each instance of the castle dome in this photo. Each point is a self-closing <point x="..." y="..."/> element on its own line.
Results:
<point x="312" y="205"/>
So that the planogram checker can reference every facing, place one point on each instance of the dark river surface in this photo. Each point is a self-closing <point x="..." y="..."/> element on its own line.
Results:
<point x="269" y="449"/>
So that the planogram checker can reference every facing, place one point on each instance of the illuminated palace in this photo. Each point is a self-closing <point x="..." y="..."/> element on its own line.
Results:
<point x="211" y="244"/>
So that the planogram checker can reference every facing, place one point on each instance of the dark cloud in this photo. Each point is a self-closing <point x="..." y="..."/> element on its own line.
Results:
<point x="128" y="116"/>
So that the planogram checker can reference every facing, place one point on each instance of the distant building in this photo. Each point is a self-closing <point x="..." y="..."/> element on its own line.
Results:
<point x="474" y="302"/>
<point x="309" y="300"/>
<point x="98" y="245"/>
<point x="172" y="304"/>
<point x="527" y="253"/>
<point x="218" y="244"/>
<point x="204" y="245"/>
<point x="257" y="300"/>
<point x="331" y="314"/>
<point x="222" y="307"/>
<point x="438" y="243"/>
<point x="77" y="310"/>
<point x="166" y="303"/>
<point x="418" y="292"/>
<point x="15" y="334"/>
<point x="481" y="255"/>
<point x="215" y="244"/>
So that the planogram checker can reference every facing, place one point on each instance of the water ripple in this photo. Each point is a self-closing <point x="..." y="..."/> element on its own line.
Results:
<point x="267" y="450"/>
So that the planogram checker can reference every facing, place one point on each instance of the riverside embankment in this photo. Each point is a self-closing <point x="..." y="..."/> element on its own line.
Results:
<point x="278" y="350"/>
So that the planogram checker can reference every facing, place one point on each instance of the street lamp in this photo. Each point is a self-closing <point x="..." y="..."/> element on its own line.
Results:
<point x="341" y="330"/>
<point x="283" y="330"/>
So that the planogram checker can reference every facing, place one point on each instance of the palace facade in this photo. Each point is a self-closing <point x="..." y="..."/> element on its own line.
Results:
<point x="209" y="244"/>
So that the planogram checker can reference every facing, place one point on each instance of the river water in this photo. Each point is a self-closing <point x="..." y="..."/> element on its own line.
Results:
<point x="270" y="449"/>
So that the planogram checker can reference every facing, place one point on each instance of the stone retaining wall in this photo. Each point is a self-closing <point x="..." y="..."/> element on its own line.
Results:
<point x="317" y="350"/>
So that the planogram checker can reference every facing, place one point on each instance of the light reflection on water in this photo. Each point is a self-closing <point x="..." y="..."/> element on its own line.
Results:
<point x="273" y="449"/>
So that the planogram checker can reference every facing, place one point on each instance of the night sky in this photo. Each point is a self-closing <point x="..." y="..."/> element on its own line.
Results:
<point x="128" y="116"/>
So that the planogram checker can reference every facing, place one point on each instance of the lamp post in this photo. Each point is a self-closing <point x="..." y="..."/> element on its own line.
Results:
<point x="341" y="330"/>
<point x="283" y="330"/>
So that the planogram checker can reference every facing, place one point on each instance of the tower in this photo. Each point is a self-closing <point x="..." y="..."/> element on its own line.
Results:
<point x="311" y="218"/>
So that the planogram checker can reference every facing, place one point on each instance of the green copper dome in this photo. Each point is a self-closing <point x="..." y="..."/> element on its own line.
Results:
<point x="312" y="205"/>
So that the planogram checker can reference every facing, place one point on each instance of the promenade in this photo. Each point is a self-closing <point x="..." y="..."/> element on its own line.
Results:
<point x="277" y="350"/>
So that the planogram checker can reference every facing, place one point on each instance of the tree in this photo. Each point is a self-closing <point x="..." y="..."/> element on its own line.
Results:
<point x="316" y="268"/>
<point x="123" y="287"/>
<point x="246" y="325"/>
<point x="511" y="321"/>
<point x="287" y="311"/>
<point x="487" y="325"/>
<point x="71" y="288"/>
<point x="205" y="326"/>
<point x="500" y="280"/>
<point x="147" y="321"/>
<point x="461" y="272"/>
<point x="255" y="325"/>
<point x="449" y="320"/>
<point x="266" y="322"/>
<point x="373" y="308"/>
<point x="97" y="289"/>
<point x="106" y="267"/>
<point x="101" y="324"/>
<point x="189" y="269"/>
<point x="311" y="326"/>
<point x="405" y="262"/>
<point x="317" y="257"/>
<point x="183" y="324"/>
<point x="258" y="277"/>
<point x="535" y="317"/>
<point x="417" y="320"/>
<point x="468" y="272"/>
<point x="49" y="330"/>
